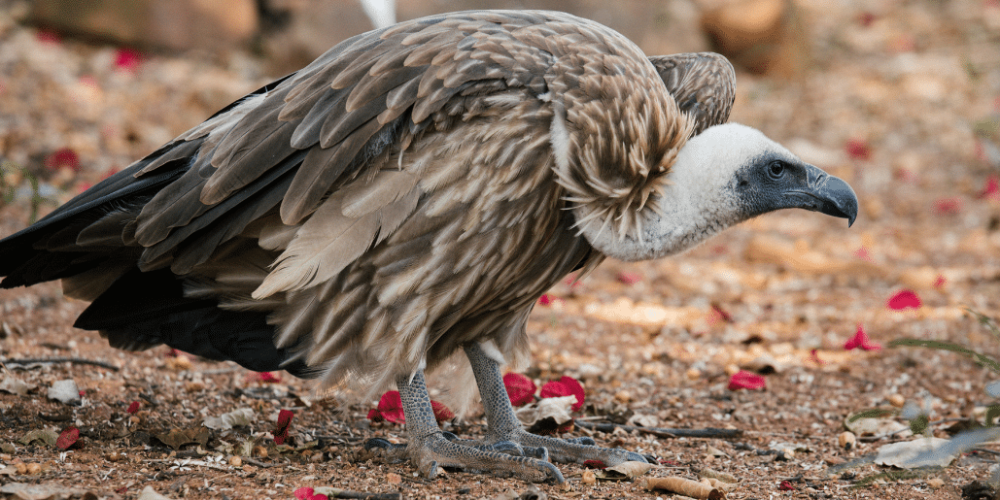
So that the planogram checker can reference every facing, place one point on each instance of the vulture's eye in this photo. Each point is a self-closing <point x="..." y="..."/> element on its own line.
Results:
<point x="776" y="169"/>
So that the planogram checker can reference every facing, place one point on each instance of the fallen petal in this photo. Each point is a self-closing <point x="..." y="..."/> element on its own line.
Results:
<point x="284" y="423"/>
<point x="565" y="386"/>
<point x="68" y="438"/>
<point x="904" y="299"/>
<point x="746" y="380"/>
<point x="860" y="339"/>
<point x="520" y="389"/>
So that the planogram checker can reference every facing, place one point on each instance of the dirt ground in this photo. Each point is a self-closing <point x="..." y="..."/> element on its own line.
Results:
<point x="902" y="100"/>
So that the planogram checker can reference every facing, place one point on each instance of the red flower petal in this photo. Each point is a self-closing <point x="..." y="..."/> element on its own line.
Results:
<point x="948" y="206"/>
<point x="374" y="415"/>
<point x="862" y="253"/>
<point x="786" y="486"/>
<point x="814" y="357"/>
<point x="671" y="463"/>
<point x="284" y="423"/>
<point x="746" y="380"/>
<point x="565" y="386"/>
<point x="68" y="438"/>
<point x="520" y="389"/>
<point x="594" y="464"/>
<point x="134" y="407"/>
<point x="47" y="36"/>
<point x="547" y="300"/>
<point x="441" y="412"/>
<point x="860" y="339"/>
<point x="719" y="314"/>
<point x="904" y="299"/>
<point x="992" y="188"/>
<point x="858" y="149"/>
<point x="269" y="377"/>
<point x="940" y="281"/>
<point x="390" y="407"/>
<point x="304" y="493"/>
<point x="629" y="278"/>
<point x="63" y="158"/>
<point x="127" y="59"/>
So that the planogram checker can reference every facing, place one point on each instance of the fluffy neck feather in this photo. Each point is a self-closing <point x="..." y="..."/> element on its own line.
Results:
<point x="697" y="202"/>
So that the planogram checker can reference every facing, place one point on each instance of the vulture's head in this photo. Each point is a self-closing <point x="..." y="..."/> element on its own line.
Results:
<point x="727" y="174"/>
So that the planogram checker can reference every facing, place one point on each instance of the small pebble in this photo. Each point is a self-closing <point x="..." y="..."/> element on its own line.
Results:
<point x="847" y="440"/>
<point x="33" y="468"/>
<point x="589" y="478"/>
<point x="693" y="374"/>
<point x="935" y="482"/>
<point x="731" y="369"/>
<point x="235" y="461"/>
<point x="260" y="451"/>
<point x="393" y="478"/>
<point x="897" y="400"/>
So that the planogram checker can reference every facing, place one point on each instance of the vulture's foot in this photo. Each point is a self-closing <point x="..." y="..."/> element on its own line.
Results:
<point x="576" y="450"/>
<point x="444" y="450"/>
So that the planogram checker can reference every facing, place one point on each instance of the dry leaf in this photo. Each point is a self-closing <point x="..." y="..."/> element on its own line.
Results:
<point x="556" y="408"/>
<point x="47" y="491"/>
<point x="64" y="391"/>
<point x="922" y="452"/>
<point x="15" y="385"/>
<point x="685" y="487"/>
<point x="49" y="437"/>
<point x="148" y="493"/>
<point x="177" y="438"/>
<point x="241" y="417"/>
<point x="624" y="470"/>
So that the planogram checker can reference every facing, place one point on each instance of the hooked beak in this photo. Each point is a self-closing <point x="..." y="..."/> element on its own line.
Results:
<point x="827" y="194"/>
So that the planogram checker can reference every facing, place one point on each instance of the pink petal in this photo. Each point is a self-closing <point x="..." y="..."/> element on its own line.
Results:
<point x="284" y="423"/>
<point x="786" y="486"/>
<point x="304" y="493"/>
<point x="63" y="158"/>
<point x="269" y="377"/>
<point x="390" y="406"/>
<point x="858" y="149"/>
<point x="992" y="188"/>
<point x="719" y="314"/>
<point x="565" y="386"/>
<point x="547" y="300"/>
<point x="746" y="380"/>
<point x="48" y="37"/>
<point x="374" y="415"/>
<point x="948" y="206"/>
<point x="862" y="253"/>
<point x="904" y="299"/>
<point x="940" y="281"/>
<point x="520" y="389"/>
<point x="860" y="339"/>
<point x="594" y="464"/>
<point x="814" y="357"/>
<point x="629" y="278"/>
<point x="866" y="18"/>
<point x="127" y="59"/>
<point x="68" y="438"/>
<point x="441" y="412"/>
<point x="134" y="407"/>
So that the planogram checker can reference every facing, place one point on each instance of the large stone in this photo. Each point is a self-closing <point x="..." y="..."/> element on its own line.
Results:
<point x="173" y="24"/>
<point x="762" y="36"/>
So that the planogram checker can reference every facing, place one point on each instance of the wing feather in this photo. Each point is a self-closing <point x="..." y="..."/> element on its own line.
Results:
<point x="702" y="83"/>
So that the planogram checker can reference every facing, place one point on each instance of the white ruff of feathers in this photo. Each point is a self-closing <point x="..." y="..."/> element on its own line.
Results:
<point x="697" y="200"/>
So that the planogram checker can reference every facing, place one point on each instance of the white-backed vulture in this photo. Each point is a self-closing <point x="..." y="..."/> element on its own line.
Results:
<point x="410" y="195"/>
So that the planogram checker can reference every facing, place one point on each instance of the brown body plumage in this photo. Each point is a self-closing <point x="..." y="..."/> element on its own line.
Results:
<point x="404" y="194"/>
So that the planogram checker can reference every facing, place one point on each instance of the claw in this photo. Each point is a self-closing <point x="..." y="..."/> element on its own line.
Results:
<point x="585" y="441"/>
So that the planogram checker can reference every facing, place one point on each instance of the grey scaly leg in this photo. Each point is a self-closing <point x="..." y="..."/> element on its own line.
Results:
<point x="430" y="448"/>
<point x="505" y="433"/>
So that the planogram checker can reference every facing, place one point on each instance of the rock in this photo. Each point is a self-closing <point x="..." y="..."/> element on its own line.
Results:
<point x="177" y="24"/>
<point x="762" y="36"/>
<point x="64" y="391"/>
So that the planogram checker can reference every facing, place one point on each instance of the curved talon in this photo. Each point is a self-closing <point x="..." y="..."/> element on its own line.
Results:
<point x="584" y="440"/>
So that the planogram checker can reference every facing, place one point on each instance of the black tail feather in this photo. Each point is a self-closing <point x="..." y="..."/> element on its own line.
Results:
<point x="142" y="310"/>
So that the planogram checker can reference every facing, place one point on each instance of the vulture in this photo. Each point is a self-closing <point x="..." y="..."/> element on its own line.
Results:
<point x="407" y="198"/>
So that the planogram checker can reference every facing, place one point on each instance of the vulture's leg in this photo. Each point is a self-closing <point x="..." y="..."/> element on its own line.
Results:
<point x="430" y="447"/>
<point x="504" y="431"/>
